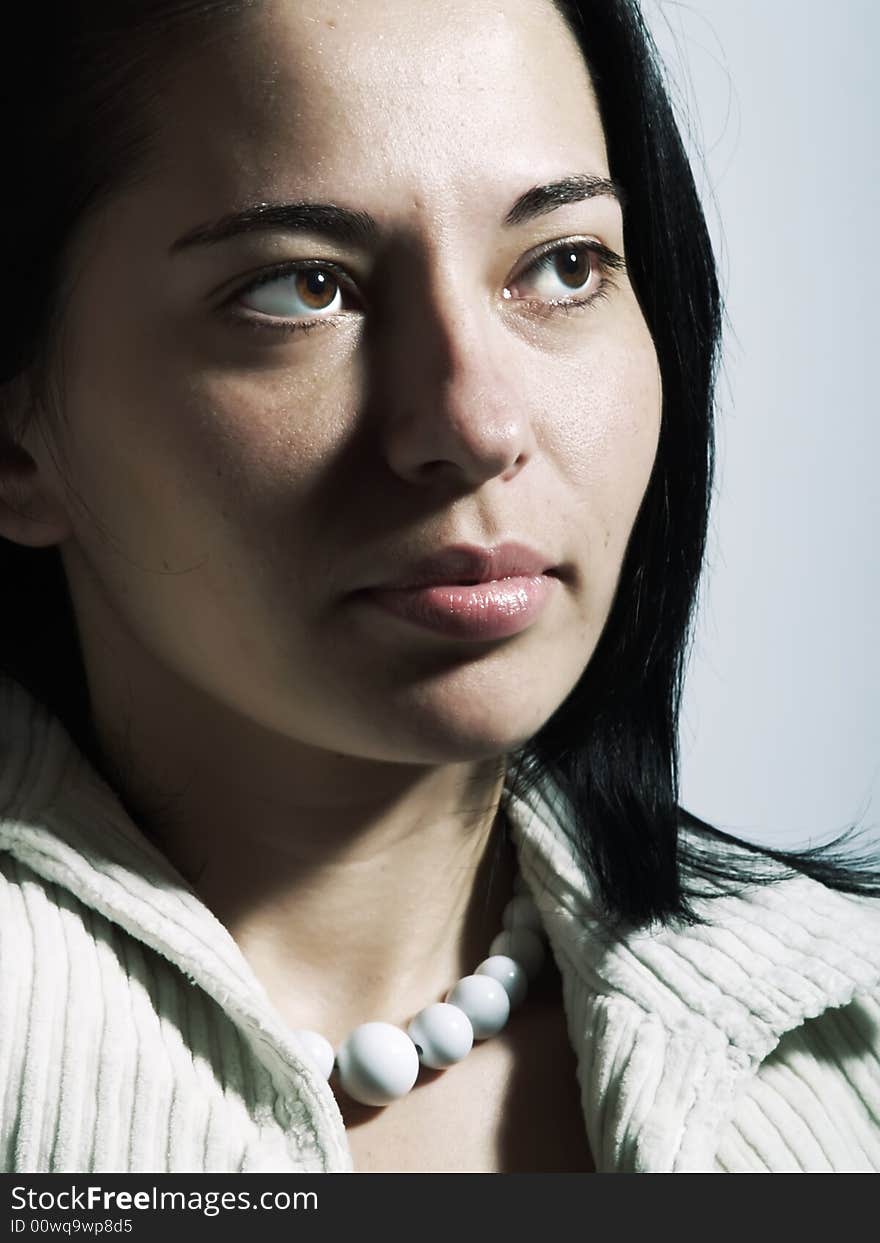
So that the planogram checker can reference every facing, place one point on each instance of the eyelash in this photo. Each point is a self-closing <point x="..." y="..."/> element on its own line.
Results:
<point x="607" y="261"/>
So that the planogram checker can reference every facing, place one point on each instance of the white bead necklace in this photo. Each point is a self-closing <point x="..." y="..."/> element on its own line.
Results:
<point x="379" y="1062"/>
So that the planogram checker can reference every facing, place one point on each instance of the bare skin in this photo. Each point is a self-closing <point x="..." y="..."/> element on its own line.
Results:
<point x="328" y="778"/>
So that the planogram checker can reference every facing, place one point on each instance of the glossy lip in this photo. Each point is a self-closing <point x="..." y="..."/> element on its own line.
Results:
<point x="468" y="592"/>
<point x="467" y="564"/>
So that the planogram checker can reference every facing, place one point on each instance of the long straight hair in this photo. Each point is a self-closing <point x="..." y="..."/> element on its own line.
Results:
<point x="611" y="748"/>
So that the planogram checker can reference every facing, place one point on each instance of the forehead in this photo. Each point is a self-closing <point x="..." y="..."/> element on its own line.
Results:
<point x="390" y="97"/>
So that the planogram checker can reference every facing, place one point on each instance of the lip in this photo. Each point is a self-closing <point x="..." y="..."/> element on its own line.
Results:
<point x="467" y="592"/>
<point x="468" y="564"/>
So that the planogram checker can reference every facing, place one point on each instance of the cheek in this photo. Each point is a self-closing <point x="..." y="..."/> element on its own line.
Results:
<point x="607" y="449"/>
<point x="605" y="438"/>
<point x="272" y="445"/>
<point x="163" y="454"/>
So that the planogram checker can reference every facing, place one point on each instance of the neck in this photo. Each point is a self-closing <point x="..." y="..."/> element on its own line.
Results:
<point x="356" y="890"/>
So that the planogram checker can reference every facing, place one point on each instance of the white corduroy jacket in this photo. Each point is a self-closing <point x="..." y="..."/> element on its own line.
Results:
<point x="134" y="1037"/>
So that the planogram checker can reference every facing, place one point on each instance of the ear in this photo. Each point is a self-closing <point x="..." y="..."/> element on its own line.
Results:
<point x="31" y="511"/>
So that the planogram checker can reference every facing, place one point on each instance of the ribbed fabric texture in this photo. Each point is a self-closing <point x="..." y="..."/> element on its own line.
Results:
<point x="816" y="1103"/>
<point x="108" y="1062"/>
<point x="133" y="1033"/>
<point x="749" y="1044"/>
<point x="135" y="1037"/>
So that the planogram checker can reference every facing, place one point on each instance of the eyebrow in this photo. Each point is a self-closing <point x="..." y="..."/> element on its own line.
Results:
<point x="359" y="228"/>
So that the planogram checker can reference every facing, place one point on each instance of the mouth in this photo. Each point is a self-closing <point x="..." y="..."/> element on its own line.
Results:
<point x="468" y="565"/>
<point x="481" y="609"/>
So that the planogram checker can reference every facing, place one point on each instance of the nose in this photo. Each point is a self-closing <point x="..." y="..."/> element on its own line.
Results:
<point x="453" y="408"/>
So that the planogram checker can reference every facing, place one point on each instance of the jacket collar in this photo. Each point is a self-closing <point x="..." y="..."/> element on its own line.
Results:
<point x="666" y="1024"/>
<point x="60" y="818"/>
<point x="669" y="1024"/>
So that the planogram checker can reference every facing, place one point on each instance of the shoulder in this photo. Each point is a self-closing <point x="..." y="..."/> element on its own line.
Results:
<point x="813" y="1104"/>
<point x="801" y="985"/>
<point x="54" y="952"/>
<point x="38" y="916"/>
<point x="35" y="916"/>
<point x="764" y="958"/>
<point x="730" y="1040"/>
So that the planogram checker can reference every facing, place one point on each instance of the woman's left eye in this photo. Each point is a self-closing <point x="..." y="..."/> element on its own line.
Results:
<point x="567" y="274"/>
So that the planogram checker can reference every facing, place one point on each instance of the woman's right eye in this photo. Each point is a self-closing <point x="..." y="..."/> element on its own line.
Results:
<point x="297" y="295"/>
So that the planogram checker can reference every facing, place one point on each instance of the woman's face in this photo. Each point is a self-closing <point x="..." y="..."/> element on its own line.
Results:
<point x="257" y="456"/>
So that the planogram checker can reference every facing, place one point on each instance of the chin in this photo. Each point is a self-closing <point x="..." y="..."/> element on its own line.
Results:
<point x="449" y="738"/>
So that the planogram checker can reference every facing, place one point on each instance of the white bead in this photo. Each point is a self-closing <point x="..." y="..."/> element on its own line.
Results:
<point x="521" y="912"/>
<point x="442" y="1034"/>
<point x="377" y="1063"/>
<point x="318" y="1049"/>
<point x="509" y="974"/>
<point x="523" y="946"/>
<point x="484" y="1001"/>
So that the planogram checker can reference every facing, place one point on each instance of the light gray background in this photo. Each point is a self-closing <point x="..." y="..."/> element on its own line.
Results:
<point x="780" y="733"/>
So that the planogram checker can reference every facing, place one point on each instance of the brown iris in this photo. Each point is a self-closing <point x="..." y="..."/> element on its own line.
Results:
<point x="573" y="266"/>
<point x="316" y="287"/>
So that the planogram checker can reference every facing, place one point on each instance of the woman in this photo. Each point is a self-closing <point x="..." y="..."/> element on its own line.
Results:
<point x="356" y="464"/>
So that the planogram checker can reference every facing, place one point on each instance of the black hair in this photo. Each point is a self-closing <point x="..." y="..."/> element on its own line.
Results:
<point x="612" y="747"/>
